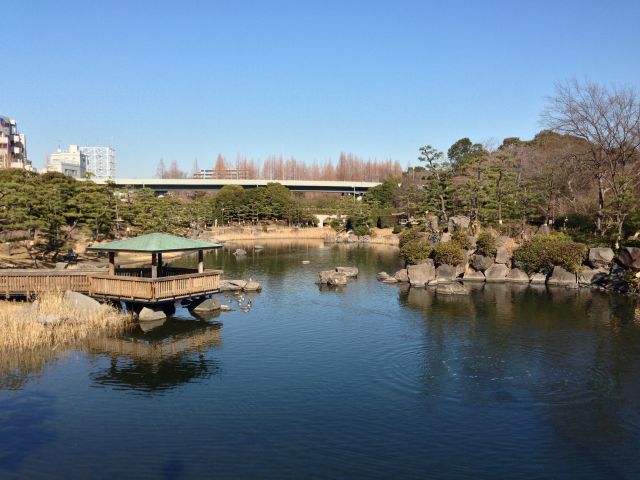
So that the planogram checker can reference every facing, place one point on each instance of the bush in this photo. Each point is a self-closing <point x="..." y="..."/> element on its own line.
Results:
<point x="336" y="225"/>
<point x="461" y="238"/>
<point x="544" y="252"/>
<point x="486" y="245"/>
<point x="362" y="230"/>
<point x="397" y="229"/>
<point x="447" y="253"/>
<point x="416" y="250"/>
<point x="409" y="235"/>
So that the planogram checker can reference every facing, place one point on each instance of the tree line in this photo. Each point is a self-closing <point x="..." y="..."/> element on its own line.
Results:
<point x="581" y="173"/>
<point x="348" y="167"/>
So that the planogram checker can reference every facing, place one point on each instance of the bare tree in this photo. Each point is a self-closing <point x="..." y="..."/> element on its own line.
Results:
<point x="609" y="120"/>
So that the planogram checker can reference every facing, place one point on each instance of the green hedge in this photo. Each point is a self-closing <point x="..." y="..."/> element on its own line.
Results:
<point x="486" y="245"/>
<point x="544" y="252"/>
<point x="412" y="252"/>
<point x="409" y="235"/>
<point x="461" y="237"/>
<point x="449" y="253"/>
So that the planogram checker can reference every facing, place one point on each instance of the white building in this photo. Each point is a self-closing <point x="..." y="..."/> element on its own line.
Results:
<point x="71" y="162"/>
<point x="100" y="162"/>
<point x="13" y="146"/>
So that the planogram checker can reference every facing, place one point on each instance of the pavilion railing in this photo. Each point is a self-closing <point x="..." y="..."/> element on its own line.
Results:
<point x="154" y="289"/>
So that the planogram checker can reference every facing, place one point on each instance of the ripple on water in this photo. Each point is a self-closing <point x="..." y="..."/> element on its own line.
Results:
<point x="526" y="375"/>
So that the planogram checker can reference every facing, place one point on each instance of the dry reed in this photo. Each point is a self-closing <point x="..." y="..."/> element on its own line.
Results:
<point x="54" y="323"/>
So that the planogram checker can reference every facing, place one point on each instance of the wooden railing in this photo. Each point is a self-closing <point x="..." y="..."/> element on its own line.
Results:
<point x="154" y="289"/>
<point x="31" y="282"/>
<point x="145" y="272"/>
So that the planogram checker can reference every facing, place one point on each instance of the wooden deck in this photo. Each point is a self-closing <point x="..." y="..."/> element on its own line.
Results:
<point x="132" y="285"/>
<point x="154" y="290"/>
<point x="18" y="282"/>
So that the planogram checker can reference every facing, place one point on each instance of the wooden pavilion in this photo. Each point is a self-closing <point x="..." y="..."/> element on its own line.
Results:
<point x="158" y="283"/>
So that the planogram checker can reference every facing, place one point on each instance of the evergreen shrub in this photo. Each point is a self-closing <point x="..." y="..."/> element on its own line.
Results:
<point x="543" y="252"/>
<point x="486" y="245"/>
<point x="449" y="253"/>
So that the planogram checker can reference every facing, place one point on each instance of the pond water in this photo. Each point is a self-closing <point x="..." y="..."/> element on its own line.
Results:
<point x="368" y="381"/>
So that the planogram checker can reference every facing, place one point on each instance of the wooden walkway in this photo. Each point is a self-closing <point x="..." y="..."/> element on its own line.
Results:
<point x="18" y="282"/>
<point x="133" y="285"/>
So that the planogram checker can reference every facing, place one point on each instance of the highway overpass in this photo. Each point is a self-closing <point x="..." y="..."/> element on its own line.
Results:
<point x="165" y="185"/>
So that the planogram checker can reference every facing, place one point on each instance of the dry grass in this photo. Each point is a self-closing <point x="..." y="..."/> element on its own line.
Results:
<point x="53" y="323"/>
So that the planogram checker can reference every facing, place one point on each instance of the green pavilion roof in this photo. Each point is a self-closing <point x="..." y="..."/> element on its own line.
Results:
<point x="154" y="243"/>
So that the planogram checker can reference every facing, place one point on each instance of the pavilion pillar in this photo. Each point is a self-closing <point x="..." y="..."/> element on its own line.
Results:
<point x="160" y="272"/>
<point x="112" y="263"/>
<point x="200" y="261"/>
<point x="154" y="265"/>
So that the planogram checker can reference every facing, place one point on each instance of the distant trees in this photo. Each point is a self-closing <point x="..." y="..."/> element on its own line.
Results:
<point x="276" y="167"/>
<point x="585" y="168"/>
<point x="608" y="120"/>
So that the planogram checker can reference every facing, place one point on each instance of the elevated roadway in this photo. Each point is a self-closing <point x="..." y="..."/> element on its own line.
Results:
<point x="169" y="184"/>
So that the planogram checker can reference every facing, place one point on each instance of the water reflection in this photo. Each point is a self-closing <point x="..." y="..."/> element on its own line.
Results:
<point x="159" y="359"/>
<point x="563" y="354"/>
<point x="18" y="368"/>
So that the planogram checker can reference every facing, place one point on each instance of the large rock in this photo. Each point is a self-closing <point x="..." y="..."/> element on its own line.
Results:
<point x="252" y="286"/>
<point x="149" y="315"/>
<point x="402" y="275"/>
<point x="348" y="271"/>
<point x="390" y="280"/>
<point x="600" y="257"/>
<point x="502" y="255"/>
<point x="419" y="275"/>
<point x="538" y="279"/>
<point x="82" y="302"/>
<point x="481" y="263"/>
<point x="562" y="277"/>
<point x="630" y="257"/>
<point x="232" y="285"/>
<point x="382" y="276"/>
<point x="444" y="274"/>
<point x="330" y="277"/>
<point x="496" y="273"/>
<point x="208" y="305"/>
<point x="517" y="276"/>
<point x="616" y="280"/>
<point x="589" y="276"/>
<point x="473" y="276"/>
<point x="453" y="288"/>
<point x="458" y="222"/>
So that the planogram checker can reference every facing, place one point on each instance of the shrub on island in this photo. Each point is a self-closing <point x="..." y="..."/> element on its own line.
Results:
<point x="461" y="237"/>
<point x="416" y="250"/>
<point x="543" y="252"/>
<point x="449" y="253"/>
<point x="486" y="245"/>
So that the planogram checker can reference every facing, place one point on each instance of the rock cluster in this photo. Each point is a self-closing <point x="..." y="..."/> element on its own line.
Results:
<point x="338" y="276"/>
<point x="602" y="270"/>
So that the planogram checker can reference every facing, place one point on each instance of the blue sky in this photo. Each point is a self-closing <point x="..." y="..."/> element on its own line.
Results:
<point x="185" y="80"/>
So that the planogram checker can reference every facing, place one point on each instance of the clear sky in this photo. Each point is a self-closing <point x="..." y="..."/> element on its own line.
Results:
<point x="188" y="79"/>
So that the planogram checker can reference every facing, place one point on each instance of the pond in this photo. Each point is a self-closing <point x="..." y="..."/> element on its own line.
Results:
<point x="366" y="381"/>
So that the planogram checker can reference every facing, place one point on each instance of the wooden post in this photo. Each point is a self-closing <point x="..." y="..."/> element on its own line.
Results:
<point x="200" y="261"/>
<point x="154" y="265"/>
<point x="112" y="263"/>
<point x="160" y="272"/>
